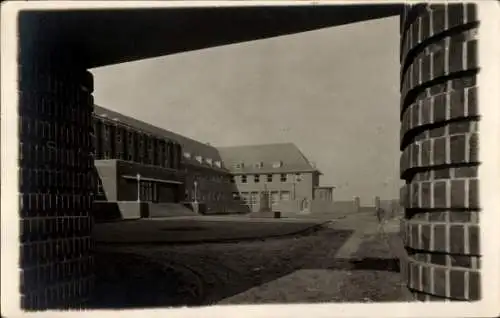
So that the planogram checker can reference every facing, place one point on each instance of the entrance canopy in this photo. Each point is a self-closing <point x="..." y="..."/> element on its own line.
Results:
<point x="110" y="36"/>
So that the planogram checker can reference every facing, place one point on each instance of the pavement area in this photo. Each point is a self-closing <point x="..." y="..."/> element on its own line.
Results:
<point x="346" y="260"/>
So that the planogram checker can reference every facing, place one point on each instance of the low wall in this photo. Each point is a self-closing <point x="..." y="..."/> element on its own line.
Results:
<point x="291" y="206"/>
<point x="119" y="210"/>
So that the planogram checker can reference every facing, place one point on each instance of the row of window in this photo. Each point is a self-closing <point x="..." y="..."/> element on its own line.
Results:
<point x="213" y="178"/>
<point x="204" y="196"/>
<point x="268" y="178"/>
<point x="201" y="160"/>
<point x="324" y="195"/>
<point x="252" y="198"/>
<point x="260" y="165"/>
<point x="114" y="140"/>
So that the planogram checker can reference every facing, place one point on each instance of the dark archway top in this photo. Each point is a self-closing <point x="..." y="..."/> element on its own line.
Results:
<point x="103" y="37"/>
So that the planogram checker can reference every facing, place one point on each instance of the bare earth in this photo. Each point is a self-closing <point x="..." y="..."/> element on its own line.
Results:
<point x="347" y="260"/>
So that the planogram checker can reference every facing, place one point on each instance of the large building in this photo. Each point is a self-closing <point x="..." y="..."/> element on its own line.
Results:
<point x="136" y="161"/>
<point x="279" y="173"/>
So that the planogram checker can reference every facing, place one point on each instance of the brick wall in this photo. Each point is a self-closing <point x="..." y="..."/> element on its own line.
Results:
<point x="55" y="175"/>
<point x="439" y="143"/>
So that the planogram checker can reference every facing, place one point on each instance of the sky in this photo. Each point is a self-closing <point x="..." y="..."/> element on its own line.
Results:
<point x="333" y="92"/>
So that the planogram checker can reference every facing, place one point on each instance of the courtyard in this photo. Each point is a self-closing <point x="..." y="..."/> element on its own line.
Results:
<point x="306" y="261"/>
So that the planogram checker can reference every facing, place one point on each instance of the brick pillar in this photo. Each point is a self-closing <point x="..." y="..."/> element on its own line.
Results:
<point x="439" y="141"/>
<point x="55" y="174"/>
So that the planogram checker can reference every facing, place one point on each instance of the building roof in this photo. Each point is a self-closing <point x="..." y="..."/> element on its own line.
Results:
<point x="291" y="159"/>
<point x="263" y="159"/>
<point x="191" y="146"/>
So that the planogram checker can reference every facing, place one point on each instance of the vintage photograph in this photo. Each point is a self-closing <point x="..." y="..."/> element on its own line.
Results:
<point x="178" y="155"/>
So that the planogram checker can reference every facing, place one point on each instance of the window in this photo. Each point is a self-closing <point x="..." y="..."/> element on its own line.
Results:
<point x="256" y="178"/>
<point x="269" y="178"/>
<point x="107" y="132"/>
<point x="199" y="159"/>
<point x="285" y="196"/>
<point x="275" y="197"/>
<point x="209" y="161"/>
<point x="253" y="198"/>
<point x="298" y="177"/>
<point x="245" y="197"/>
<point x="277" y="164"/>
<point x="239" y="165"/>
<point x="259" y="165"/>
<point x="232" y="179"/>
<point x="283" y="177"/>
<point x="243" y="179"/>
<point x="218" y="164"/>
<point x="187" y="155"/>
<point x="236" y="196"/>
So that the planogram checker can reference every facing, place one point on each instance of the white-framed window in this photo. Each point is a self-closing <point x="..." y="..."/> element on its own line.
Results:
<point x="256" y="178"/>
<point x="269" y="178"/>
<point x="275" y="197"/>
<point x="253" y="198"/>
<point x="199" y="159"/>
<point x="285" y="196"/>
<point x="243" y="179"/>
<point x="209" y="161"/>
<point x="283" y="177"/>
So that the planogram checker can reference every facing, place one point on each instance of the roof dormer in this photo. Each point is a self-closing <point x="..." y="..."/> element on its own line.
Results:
<point x="277" y="164"/>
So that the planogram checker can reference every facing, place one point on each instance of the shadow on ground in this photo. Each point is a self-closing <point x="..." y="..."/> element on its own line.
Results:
<point x="195" y="275"/>
<point x="367" y="264"/>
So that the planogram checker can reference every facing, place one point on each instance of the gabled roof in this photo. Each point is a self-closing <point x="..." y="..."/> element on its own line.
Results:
<point x="195" y="148"/>
<point x="288" y="154"/>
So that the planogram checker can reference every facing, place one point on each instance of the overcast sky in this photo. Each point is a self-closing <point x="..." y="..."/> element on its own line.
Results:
<point x="333" y="92"/>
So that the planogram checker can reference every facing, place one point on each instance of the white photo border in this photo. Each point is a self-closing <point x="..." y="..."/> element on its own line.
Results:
<point x="489" y="175"/>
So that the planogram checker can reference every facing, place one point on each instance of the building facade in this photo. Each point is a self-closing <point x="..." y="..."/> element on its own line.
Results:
<point x="138" y="161"/>
<point x="323" y="193"/>
<point x="133" y="164"/>
<point x="272" y="176"/>
<point x="172" y="168"/>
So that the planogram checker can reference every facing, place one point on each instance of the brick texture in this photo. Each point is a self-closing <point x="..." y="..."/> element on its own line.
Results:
<point x="439" y="144"/>
<point x="56" y="184"/>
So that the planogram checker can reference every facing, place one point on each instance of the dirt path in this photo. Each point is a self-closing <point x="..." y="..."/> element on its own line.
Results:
<point x="363" y="269"/>
<point x="344" y="262"/>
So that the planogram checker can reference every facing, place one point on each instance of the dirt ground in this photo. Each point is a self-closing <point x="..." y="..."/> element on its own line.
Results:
<point x="348" y="260"/>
